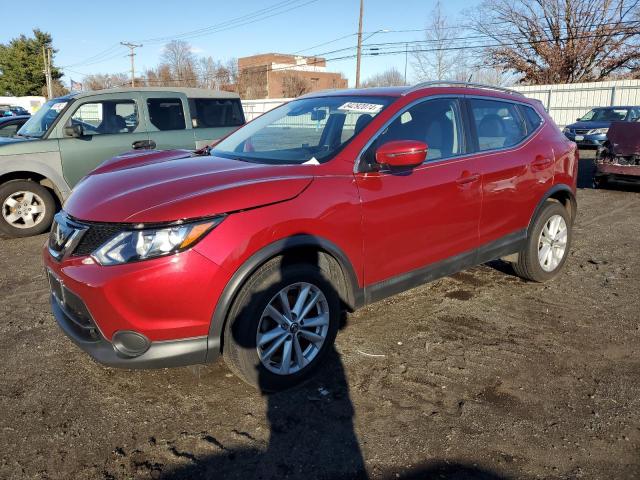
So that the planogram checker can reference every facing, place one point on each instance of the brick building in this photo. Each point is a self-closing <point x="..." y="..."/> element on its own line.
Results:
<point x="276" y="75"/>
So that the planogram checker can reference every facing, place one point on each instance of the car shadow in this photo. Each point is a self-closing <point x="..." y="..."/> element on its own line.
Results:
<point x="311" y="432"/>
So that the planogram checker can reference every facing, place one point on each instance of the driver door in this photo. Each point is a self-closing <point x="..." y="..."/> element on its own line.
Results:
<point x="419" y="222"/>
<point x="111" y="125"/>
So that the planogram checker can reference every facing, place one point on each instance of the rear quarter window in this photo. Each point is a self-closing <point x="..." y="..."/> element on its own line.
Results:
<point x="214" y="113"/>
<point x="532" y="118"/>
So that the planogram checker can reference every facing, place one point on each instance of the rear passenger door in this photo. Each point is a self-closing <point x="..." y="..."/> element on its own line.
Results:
<point x="213" y="118"/>
<point x="169" y="120"/>
<point x="515" y="162"/>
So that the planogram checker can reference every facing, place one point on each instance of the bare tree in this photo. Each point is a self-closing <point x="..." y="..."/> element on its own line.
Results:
<point x="389" y="78"/>
<point x="432" y="61"/>
<point x="294" y="85"/>
<point x="252" y="82"/>
<point x="100" y="81"/>
<point x="179" y="57"/>
<point x="561" y="41"/>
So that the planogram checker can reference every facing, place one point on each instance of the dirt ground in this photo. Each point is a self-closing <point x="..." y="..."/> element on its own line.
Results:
<point x="479" y="375"/>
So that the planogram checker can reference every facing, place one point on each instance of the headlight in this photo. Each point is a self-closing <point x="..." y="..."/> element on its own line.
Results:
<point x="143" y="244"/>
<point x="597" y="131"/>
<point x="565" y="130"/>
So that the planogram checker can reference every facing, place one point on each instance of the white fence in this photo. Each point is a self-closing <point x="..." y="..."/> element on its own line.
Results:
<point x="565" y="102"/>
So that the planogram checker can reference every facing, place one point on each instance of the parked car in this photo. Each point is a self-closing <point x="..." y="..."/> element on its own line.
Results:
<point x="70" y="136"/>
<point x="14" y="111"/>
<point x="9" y="127"/>
<point x="619" y="157"/>
<point x="334" y="200"/>
<point x="590" y="130"/>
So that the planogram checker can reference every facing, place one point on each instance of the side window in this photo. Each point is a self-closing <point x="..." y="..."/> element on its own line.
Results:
<point x="498" y="124"/>
<point x="8" y="130"/>
<point x="107" y="117"/>
<point x="166" y="113"/>
<point x="212" y="112"/>
<point x="436" y="122"/>
<point x="531" y="117"/>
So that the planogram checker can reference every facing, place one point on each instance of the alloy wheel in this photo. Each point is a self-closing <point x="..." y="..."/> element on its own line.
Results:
<point x="292" y="329"/>
<point x="552" y="243"/>
<point x="23" y="209"/>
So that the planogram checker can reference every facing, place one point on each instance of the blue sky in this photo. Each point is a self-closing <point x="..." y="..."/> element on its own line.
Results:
<point x="82" y="33"/>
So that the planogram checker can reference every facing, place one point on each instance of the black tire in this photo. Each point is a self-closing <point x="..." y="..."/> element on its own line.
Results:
<point x="43" y="220"/>
<point x="600" y="181"/>
<point x="528" y="266"/>
<point x="240" y="342"/>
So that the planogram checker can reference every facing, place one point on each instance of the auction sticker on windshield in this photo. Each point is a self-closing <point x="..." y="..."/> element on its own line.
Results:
<point x="58" y="107"/>
<point x="361" y="107"/>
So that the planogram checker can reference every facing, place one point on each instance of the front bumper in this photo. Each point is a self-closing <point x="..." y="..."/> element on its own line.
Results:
<point x="169" y="301"/>
<point x="170" y="353"/>
<point x="587" y="141"/>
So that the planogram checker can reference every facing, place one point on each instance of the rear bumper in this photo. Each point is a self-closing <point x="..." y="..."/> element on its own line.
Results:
<point x="170" y="353"/>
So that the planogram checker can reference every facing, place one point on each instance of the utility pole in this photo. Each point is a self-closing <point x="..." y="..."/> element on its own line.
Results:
<point x="359" y="55"/>
<point x="132" y="47"/>
<point x="46" y="56"/>
<point x="406" y="60"/>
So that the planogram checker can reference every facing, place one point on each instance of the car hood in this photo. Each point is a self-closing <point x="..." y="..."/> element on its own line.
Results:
<point x="174" y="185"/>
<point x="585" y="125"/>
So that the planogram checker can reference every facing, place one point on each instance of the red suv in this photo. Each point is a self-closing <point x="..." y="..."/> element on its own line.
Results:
<point x="329" y="202"/>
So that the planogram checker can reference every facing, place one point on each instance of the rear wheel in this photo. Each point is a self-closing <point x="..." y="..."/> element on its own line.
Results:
<point x="547" y="246"/>
<point x="27" y="208"/>
<point x="281" y="325"/>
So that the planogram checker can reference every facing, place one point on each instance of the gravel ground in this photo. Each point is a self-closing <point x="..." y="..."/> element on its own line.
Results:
<point x="479" y="375"/>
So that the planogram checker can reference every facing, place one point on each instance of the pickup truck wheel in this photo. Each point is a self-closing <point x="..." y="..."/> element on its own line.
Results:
<point x="547" y="246"/>
<point x="281" y="325"/>
<point x="27" y="208"/>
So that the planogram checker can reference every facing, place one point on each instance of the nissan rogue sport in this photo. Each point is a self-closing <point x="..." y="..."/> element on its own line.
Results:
<point x="324" y="204"/>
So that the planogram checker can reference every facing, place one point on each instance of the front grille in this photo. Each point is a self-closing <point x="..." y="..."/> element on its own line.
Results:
<point x="578" y="131"/>
<point x="95" y="236"/>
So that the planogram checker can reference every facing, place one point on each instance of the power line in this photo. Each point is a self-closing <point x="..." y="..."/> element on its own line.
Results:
<point x="256" y="16"/>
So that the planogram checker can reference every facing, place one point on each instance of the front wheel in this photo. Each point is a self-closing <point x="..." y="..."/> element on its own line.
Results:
<point x="27" y="208"/>
<point x="281" y="325"/>
<point x="547" y="245"/>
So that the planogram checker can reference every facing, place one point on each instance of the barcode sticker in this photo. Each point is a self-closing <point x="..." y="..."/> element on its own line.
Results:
<point x="361" y="107"/>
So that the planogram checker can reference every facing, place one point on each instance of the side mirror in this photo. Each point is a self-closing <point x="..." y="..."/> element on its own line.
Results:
<point x="318" y="115"/>
<point x="402" y="153"/>
<point x="578" y="119"/>
<point x="73" y="131"/>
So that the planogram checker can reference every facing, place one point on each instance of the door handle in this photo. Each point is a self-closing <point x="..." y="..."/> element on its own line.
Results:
<point x="467" y="178"/>
<point x="144" y="145"/>
<point x="542" y="162"/>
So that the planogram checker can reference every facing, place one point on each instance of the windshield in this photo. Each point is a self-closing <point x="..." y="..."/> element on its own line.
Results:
<point x="40" y="122"/>
<point x="306" y="130"/>
<point x="605" y="115"/>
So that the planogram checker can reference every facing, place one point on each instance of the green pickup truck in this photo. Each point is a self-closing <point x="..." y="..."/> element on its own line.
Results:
<point x="70" y="136"/>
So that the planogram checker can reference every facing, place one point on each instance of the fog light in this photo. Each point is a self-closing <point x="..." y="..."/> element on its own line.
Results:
<point x="130" y="344"/>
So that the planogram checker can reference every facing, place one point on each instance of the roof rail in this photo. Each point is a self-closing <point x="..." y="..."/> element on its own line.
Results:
<point x="448" y="83"/>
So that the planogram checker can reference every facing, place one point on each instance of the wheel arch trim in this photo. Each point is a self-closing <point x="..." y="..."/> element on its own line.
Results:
<point x="353" y="295"/>
<point x="551" y="193"/>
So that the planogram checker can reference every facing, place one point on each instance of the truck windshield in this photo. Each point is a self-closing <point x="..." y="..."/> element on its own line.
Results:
<point x="40" y="122"/>
<point x="306" y="130"/>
